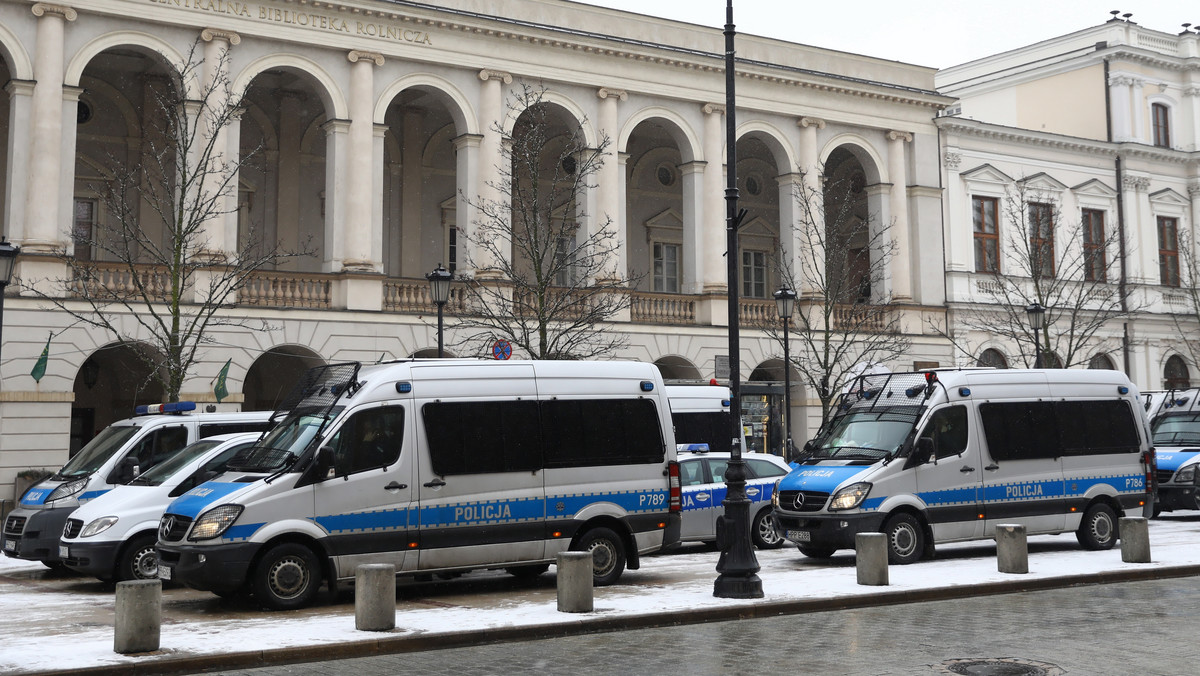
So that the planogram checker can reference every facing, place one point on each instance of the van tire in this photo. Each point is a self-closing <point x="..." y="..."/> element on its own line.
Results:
<point x="288" y="576"/>
<point x="608" y="555"/>
<point x="527" y="573"/>
<point x="1098" y="529"/>
<point x="139" y="561"/>
<point x="763" y="531"/>
<point x="905" y="539"/>
<point x="816" y="552"/>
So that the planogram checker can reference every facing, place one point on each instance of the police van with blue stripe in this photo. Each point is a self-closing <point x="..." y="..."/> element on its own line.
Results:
<point x="113" y="458"/>
<point x="1175" y="426"/>
<point x="436" y="466"/>
<point x="947" y="455"/>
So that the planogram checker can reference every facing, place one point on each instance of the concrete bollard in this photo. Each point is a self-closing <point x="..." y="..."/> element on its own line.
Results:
<point x="871" y="558"/>
<point x="1135" y="539"/>
<point x="139" y="616"/>
<point x="1012" y="548"/>
<point x="375" y="597"/>
<point x="574" y="571"/>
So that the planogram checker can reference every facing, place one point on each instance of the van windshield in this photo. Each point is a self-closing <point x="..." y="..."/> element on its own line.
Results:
<point x="866" y="436"/>
<point x="97" y="451"/>
<point x="156" y="475"/>
<point x="285" y="443"/>
<point x="1178" y="429"/>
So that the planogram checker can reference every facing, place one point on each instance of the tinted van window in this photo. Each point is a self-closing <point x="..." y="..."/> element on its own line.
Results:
<point x="597" y="432"/>
<point x="474" y="437"/>
<point x="1043" y="429"/>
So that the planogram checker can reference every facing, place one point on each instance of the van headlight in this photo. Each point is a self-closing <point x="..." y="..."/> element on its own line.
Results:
<point x="98" y="526"/>
<point x="775" y="494"/>
<point x="1186" y="475"/>
<point x="214" y="522"/>
<point x="68" y="489"/>
<point x="849" y="497"/>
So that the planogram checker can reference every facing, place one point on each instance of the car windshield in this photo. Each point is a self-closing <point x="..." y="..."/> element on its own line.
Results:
<point x="156" y="475"/>
<point x="97" y="451"/>
<point x="285" y="443"/>
<point x="866" y="436"/>
<point x="1180" y="429"/>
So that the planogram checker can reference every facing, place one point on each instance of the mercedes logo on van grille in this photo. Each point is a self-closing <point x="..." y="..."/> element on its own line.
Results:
<point x="164" y="530"/>
<point x="798" y="501"/>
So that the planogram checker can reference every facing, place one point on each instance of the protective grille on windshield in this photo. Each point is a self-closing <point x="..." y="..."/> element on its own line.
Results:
<point x="319" y="387"/>
<point x="883" y="390"/>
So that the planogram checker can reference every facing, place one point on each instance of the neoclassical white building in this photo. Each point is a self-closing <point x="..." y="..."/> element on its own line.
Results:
<point x="377" y="122"/>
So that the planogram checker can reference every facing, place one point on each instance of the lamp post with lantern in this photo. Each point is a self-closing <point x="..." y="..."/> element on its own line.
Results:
<point x="439" y="290"/>
<point x="1037" y="315"/>
<point x="785" y="301"/>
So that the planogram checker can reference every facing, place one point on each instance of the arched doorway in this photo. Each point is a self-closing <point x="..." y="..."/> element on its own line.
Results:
<point x="110" y="383"/>
<point x="677" y="369"/>
<point x="992" y="358"/>
<point x="1175" y="374"/>
<point x="273" y="375"/>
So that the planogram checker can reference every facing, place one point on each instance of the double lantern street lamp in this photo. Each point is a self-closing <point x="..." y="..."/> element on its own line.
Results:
<point x="1037" y="315"/>
<point x="439" y="290"/>
<point x="785" y="300"/>
<point x="8" y="262"/>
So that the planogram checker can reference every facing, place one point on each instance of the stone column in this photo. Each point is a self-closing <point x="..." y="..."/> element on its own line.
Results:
<point x="608" y="182"/>
<point x="811" y="273"/>
<point x="491" y="155"/>
<point x="20" y="105"/>
<point x="215" y="80"/>
<point x="1122" y="120"/>
<point x="287" y="196"/>
<point x="336" y="161"/>
<point x="959" y="241"/>
<point x="359" y="226"/>
<point x="1142" y="229"/>
<point x="466" y="148"/>
<point x="791" y="228"/>
<point x="693" y="178"/>
<point x="1194" y="195"/>
<point x="1138" y="97"/>
<point x="901" y="267"/>
<point x="1192" y="93"/>
<point x="411" y="181"/>
<point x="45" y="226"/>
<point x="710" y="257"/>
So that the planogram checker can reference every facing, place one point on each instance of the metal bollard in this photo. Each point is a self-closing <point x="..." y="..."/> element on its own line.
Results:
<point x="1135" y="539"/>
<point x="139" y="616"/>
<point x="871" y="558"/>
<point x="574" y="571"/>
<point x="375" y="597"/>
<point x="1012" y="548"/>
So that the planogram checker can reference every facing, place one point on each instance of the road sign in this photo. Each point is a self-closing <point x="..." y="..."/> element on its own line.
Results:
<point x="501" y="349"/>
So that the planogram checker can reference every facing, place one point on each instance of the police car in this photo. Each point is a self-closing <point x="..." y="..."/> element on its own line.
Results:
<point x="702" y="475"/>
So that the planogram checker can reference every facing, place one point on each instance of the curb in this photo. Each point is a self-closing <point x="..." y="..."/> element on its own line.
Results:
<point x="390" y="645"/>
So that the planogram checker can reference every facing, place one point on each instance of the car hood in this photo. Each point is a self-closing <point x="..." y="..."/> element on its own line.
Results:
<point x="821" y="478"/>
<point x="127" y="503"/>
<point x="1173" y="459"/>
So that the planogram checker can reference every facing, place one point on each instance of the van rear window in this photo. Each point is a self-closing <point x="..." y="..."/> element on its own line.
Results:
<point x="596" y="432"/>
<point x="1043" y="429"/>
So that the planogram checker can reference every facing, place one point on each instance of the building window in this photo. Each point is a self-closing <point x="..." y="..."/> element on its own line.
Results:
<point x="1101" y="362"/>
<point x="452" y="248"/>
<point x="1095" y="263"/>
<point x="1175" y="374"/>
<point x="83" y="227"/>
<point x="1041" y="239"/>
<point x="992" y="358"/>
<point x="666" y="267"/>
<point x="987" y="238"/>
<point x="1168" y="251"/>
<point x="754" y="274"/>
<point x="1161" y="122"/>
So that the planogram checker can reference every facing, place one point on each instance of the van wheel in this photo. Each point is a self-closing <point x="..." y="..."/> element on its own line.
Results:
<point x="608" y="555"/>
<point x="527" y="573"/>
<point x="905" y="539"/>
<point x="1098" y="530"/>
<point x="816" y="552"/>
<point x="139" y="561"/>
<point x="287" y="577"/>
<point x="763" y="531"/>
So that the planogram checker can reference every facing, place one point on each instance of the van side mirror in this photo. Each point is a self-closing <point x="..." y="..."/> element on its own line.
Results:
<point x="923" y="452"/>
<point x="127" y="471"/>
<point x="324" y="463"/>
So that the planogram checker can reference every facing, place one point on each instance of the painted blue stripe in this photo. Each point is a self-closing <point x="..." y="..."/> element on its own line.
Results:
<point x="241" y="532"/>
<point x="822" y="478"/>
<point x="92" y="495"/>
<point x="36" y="497"/>
<point x="1172" y="460"/>
<point x="360" y="522"/>
<point x="950" y="496"/>
<point x="192" y="503"/>
<point x="483" y="512"/>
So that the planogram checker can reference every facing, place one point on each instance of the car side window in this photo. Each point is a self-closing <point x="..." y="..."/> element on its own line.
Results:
<point x="717" y="467"/>
<point x="368" y="439"/>
<point x="691" y="472"/>
<point x="948" y="430"/>
<point x="761" y="469"/>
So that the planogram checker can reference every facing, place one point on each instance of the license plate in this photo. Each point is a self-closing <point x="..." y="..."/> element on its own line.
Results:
<point x="164" y="572"/>
<point x="63" y="552"/>
<point x="10" y="545"/>
<point x="799" y="536"/>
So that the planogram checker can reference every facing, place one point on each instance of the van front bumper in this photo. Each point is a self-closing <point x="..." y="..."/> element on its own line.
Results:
<point x="214" y="568"/>
<point x="98" y="559"/>
<point x="38" y="540"/>
<point x="834" y="531"/>
<point x="1171" y="497"/>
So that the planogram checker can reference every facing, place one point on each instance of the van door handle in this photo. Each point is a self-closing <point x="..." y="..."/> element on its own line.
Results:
<point x="992" y="468"/>
<point x="395" y="487"/>
<point x="967" y="469"/>
<point x="436" y="483"/>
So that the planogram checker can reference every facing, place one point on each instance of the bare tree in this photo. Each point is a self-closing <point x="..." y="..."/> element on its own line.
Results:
<point x="544" y="282"/>
<point x="844" y="319"/>
<point x="1067" y="266"/>
<point x="1185" y="272"/>
<point x="168" y="292"/>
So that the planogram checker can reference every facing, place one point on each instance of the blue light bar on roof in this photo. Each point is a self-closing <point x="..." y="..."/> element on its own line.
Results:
<point x="695" y="448"/>
<point x="647" y="386"/>
<point x="172" y="407"/>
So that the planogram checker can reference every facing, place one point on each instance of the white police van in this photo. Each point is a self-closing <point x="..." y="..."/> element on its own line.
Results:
<point x="112" y="537"/>
<point x="1175" y="429"/>
<point x="436" y="466"/>
<point x="119" y="453"/>
<point x="943" y="456"/>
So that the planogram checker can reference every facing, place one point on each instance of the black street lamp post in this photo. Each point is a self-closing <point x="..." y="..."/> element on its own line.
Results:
<point x="785" y="300"/>
<point x="737" y="567"/>
<point x="8" y="262"/>
<point x="439" y="290"/>
<point x="1037" y="315"/>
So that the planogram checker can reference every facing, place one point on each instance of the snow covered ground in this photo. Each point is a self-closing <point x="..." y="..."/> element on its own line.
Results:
<point x="70" y="624"/>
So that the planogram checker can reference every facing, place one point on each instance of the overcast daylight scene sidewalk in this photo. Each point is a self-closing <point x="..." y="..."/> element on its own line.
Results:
<point x="52" y="622"/>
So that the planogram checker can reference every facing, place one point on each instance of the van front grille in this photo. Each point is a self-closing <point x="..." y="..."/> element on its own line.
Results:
<point x="802" y="501"/>
<point x="71" y="530"/>
<point x="15" y="525"/>
<point x="173" y="527"/>
<point x="1164" y="475"/>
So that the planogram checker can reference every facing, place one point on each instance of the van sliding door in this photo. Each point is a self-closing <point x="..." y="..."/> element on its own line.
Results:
<point x="1022" y="473"/>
